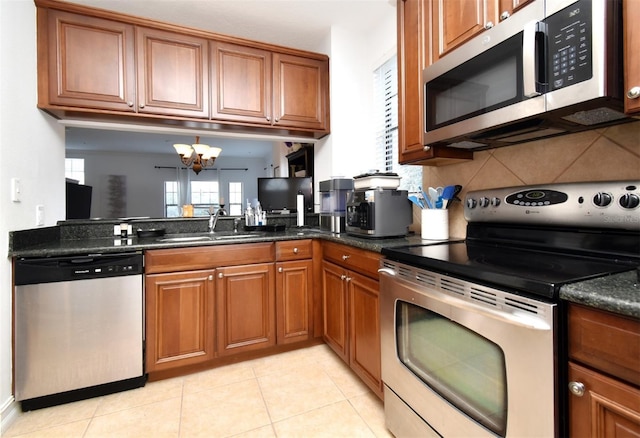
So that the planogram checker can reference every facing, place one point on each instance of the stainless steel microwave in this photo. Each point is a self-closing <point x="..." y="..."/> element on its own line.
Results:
<point x="552" y="68"/>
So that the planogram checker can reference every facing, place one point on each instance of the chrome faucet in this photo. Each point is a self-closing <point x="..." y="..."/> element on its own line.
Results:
<point x="213" y="218"/>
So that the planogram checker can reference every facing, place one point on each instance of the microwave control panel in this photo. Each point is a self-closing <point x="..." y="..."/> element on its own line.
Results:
<point x="569" y="45"/>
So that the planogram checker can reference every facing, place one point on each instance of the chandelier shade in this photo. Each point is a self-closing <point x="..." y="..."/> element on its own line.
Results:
<point x="197" y="156"/>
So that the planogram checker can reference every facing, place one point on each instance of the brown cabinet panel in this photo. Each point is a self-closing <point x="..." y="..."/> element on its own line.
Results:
<point x="608" y="408"/>
<point x="459" y="21"/>
<point x="173" y="73"/>
<point x="364" y="262"/>
<point x="334" y="307"/>
<point x="245" y="297"/>
<point x="241" y="83"/>
<point x="294" y="293"/>
<point x="179" y="319"/>
<point x="631" y="18"/>
<point x="206" y="257"/>
<point x="90" y="62"/>
<point x="294" y="250"/>
<point x="608" y="342"/>
<point x="300" y="92"/>
<point x="365" y="330"/>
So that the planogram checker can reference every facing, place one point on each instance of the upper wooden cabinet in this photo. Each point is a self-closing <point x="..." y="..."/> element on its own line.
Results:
<point x="631" y="17"/>
<point x="108" y="66"/>
<point x="242" y="88"/>
<point x="173" y="73"/>
<point x="299" y="92"/>
<point x="89" y="62"/>
<point x="414" y="54"/>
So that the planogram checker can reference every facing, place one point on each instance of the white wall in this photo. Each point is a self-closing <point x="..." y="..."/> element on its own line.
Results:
<point x="145" y="183"/>
<point x="31" y="149"/>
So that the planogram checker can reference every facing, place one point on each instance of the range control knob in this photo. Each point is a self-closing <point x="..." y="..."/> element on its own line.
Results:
<point x="483" y="202"/>
<point x="471" y="203"/>
<point x="602" y="199"/>
<point x="629" y="200"/>
<point x="495" y="201"/>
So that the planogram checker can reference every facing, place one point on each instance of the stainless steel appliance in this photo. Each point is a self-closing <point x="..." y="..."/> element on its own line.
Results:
<point x="473" y="331"/>
<point x="333" y="203"/>
<point x="378" y="213"/>
<point x="552" y="68"/>
<point x="78" y="327"/>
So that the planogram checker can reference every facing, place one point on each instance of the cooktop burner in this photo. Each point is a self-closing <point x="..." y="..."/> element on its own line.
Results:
<point x="534" y="272"/>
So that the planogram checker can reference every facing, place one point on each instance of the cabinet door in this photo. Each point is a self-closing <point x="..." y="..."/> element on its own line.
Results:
<point x="179" y="319"/>
<point x="241" y="83"/>
<point x="459" y="21"/>
<point x="364" y="330"/>
<point x="245" y="297"/>
<point x="509" y="7"/>
<point x="173" y="73"/>
<point x="293" y="300"/>
<point x="300" y="92"/>
<point x="90" y="62"/>
<point x="607" y="408"/>
<point x="631" y="18"/>
<point x="334" y="307"/>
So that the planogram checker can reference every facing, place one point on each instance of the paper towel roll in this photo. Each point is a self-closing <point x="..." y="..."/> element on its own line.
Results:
<point x="300" y="208"/>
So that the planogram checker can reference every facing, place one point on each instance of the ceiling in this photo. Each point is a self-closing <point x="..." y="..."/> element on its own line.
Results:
<point x="300" y="24"/>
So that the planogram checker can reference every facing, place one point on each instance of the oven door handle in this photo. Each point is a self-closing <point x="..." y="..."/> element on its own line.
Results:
<point x="519" y="319"/>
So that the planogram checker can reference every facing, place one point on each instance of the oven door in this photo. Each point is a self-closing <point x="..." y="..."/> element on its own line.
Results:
<point x="467" y="359"/>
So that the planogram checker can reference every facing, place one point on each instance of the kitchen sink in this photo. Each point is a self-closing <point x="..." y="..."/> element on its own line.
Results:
<point x="184" y="239"/>
<point x="206" y="236"/>
<point x="233" y="236"/>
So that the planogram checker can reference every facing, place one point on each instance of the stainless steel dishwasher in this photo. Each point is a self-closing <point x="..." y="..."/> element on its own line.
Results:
<point x="78" y="327"/>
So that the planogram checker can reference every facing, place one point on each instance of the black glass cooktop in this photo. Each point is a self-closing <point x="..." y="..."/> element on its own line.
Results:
<point x="531" y="271"/>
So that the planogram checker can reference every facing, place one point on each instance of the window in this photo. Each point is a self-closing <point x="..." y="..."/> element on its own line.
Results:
<point x="204" y="194"/>
<point x="235" y="199"/>
<point x="171" y="205"/>
<point x="74" y="169"/>
<point x="385" y="84"/>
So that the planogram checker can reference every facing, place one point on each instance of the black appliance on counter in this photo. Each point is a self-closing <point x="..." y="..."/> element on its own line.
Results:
<point x="499" y="291"/>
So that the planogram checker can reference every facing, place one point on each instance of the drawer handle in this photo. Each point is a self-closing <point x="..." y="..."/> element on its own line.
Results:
<point x="295" y="250"/>
<point x="345" y="257"/>
<point x="577" y="388"/>
<point x="633" y="93"/>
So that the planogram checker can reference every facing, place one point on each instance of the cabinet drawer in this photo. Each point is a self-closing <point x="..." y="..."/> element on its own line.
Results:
<point x="207" y="257"/>
<point x="608" y="342"/>
<point x="293" y="250"/>
<point x="359" y="260"/>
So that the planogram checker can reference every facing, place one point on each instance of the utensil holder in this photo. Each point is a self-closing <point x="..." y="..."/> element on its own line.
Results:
<point x="435" y="224"/>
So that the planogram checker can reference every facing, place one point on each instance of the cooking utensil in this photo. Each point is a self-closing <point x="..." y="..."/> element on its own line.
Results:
<point x="433" y="194"/>
<point x="425" y="197"/>
<point x="454" y="195"/>
<point x="416" y="201"/>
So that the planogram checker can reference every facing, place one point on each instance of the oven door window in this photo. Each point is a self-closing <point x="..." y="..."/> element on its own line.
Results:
<point x="463" y="367"/>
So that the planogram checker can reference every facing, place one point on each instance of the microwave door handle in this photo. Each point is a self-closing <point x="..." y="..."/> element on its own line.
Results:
<point x="529" y="53"/>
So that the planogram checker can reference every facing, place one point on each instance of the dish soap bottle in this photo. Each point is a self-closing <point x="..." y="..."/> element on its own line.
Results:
<point x="249" y="219"/>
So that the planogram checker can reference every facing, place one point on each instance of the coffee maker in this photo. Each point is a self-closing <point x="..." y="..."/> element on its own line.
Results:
<point x="333" y="200"/>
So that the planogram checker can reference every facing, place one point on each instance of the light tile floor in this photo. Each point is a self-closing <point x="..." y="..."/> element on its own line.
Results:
<point x="304" y="393"/>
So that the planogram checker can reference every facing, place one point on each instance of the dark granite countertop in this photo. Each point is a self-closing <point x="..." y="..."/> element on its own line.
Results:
<point x="617" y="293"/>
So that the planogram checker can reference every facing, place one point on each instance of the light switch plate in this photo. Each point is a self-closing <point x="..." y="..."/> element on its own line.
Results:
<point x="15" y="189"/>
<point x="39" y="215"/>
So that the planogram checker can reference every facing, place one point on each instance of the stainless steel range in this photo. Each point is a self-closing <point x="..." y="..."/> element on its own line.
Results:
<point x="473" y="331"/>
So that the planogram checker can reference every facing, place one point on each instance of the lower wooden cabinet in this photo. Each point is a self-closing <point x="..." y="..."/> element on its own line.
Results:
<point x="351" y="310"/>
<point x="245" y="298"/>
<point x="294" y="285"/>
<point x="179" y="319"/>
<point x="604" y="374"/>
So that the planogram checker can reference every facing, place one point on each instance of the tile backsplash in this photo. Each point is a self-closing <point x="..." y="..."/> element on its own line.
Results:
<point x="600" y="155"/>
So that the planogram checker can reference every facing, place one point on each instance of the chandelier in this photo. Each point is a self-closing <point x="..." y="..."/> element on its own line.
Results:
<point x="197" y="156"/>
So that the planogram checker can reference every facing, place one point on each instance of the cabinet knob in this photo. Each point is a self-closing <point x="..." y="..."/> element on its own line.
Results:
<point x="276" y="120"/>
<point x="348" y="278"/>
<point x="130" y="104"/>
<point x="343" y="277"/>
<point x="488" y="25"/>
<point x="268" y="119"/>
<point x="634" y="93"/>
<point x="220" y="275"/>
<point x="280" y="269"/>
<point x="505" y="15"/>
<point x="295" y="250"/>
<point x="426" y="148"/>
<point x="577" y="388"/>
<point x="345" y="257"/>
<point x="142" y="105"/>
<point x="210" y="277"/>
